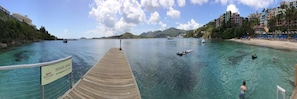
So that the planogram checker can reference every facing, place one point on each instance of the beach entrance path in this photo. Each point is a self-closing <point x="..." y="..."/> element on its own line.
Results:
<point x="111" y="78"/>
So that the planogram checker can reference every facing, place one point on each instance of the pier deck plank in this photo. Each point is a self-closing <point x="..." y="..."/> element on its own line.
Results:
<point x="110" y="78"/>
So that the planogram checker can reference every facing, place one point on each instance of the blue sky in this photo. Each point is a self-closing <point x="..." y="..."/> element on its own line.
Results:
<point x="98" y="18"/>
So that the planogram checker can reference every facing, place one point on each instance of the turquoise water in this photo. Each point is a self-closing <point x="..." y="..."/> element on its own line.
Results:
<point x="214" y="70"/>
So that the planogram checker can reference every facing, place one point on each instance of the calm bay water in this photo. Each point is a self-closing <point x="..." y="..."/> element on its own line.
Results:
<point x="214" y="70"/>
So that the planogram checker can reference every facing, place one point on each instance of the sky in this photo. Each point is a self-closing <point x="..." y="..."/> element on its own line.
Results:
<point x="101" y="18"/>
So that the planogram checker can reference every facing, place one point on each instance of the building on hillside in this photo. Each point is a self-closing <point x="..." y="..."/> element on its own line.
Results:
<point x="22" y="18"/>
<point x="289" y="3"/>
<point x="2" y="9"/>
<point x="263" y="18"/>
<point x="254" y="16"/>
<point x="217" y="22"/>
<point x="236" y="20"/>
<point x="228" y="16"/>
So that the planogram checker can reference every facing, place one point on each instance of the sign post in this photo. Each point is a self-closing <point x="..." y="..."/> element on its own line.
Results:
<point x="52" y="72"/>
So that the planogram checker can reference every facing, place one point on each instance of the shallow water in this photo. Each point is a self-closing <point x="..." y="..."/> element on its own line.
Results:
<point x="214" y="70"/>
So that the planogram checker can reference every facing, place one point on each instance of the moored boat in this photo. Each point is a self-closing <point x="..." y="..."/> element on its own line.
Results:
<point x="254" y="56"/>
<point x="65" y="41"/>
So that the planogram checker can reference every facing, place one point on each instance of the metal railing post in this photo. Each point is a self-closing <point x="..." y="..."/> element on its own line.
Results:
<point x="42" y="92"/>
<point x="70" y="80"/>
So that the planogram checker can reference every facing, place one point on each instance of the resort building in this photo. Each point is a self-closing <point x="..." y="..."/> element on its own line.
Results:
<point x="289" y="3"/>
<point x="22" y="18"/>
<point x="217" y="22"/>
<point x="263" y="18"/>
<point x="234" y="18"/>
<point x="2" y="9"/>
<point x="254" y="16"/>
<point x="228" y="16"/>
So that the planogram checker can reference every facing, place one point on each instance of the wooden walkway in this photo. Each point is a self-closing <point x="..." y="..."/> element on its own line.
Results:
<point x="110" y="78"/>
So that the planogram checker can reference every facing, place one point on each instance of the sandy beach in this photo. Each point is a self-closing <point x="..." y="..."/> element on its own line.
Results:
<point x="284" y="45"/>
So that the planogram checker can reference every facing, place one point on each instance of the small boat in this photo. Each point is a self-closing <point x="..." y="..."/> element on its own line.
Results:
<point x="65" y="41"/>
<point x="203" y="41"/>
<point x="184" y="52"/>
<point x="181" y="53"/>
<point x="254" y="56"/>
<point x="169" y="38"/>
<point x="189" y="50"/>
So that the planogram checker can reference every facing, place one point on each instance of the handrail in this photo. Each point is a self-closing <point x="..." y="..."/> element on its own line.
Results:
<point x="33" y="65"/>
<point x="283" y="91"/>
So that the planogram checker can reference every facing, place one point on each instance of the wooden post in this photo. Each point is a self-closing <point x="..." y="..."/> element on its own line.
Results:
<point x="295" y="75"/>
<point x="120" y="44"/>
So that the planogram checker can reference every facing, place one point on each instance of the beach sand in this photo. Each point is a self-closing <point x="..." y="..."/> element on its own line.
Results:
<point x="284" y="45"/>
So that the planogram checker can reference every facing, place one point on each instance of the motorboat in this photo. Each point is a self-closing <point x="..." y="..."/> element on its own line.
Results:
<point x="181" y="53"/>
<point x="169" y="38"/>
<point x="254" y="56"/>
<point x="184" y="52"/>
<point x="203" y="41"/>
<point x="189" y="50"/>
<point x="65" y="41"/>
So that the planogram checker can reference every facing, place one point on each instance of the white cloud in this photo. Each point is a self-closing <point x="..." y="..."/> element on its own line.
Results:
<point x="257" y="3"/>
<point x="232" y="8"/>
<point x="200" y="2"/>
<point x="132" y="12"/>
<point x="188" y="26"/>
<point x="154" y="17"/>
<point x="251" y="3"/>
<point x="163" y="25"/>
<point x="222" y="1"/>
<point x="166" y="3"/>
<point x="150" y="5"/>
<point x="181" y="3"/>
<point x="116" y="16"/>
<point x="100" y="31"/>
<point x="173" y="13"/>
<point x="123" y="26"/>
<point x="105" y="12"/>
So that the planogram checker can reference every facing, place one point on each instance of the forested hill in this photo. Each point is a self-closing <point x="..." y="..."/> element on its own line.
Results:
<point x="14" y="32"/>
<point x="172" y="32"/>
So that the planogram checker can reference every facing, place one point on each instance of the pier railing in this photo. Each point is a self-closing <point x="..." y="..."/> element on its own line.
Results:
<point x="25" y="81"/>
<point x="280" y="90"/>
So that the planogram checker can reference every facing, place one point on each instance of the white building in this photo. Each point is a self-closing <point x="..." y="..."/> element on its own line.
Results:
<point x="4" y="10"/>
<point x="22" y="18"/>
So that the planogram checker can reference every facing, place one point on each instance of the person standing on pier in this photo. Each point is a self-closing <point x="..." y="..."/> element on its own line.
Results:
<point x="242" y="90"/>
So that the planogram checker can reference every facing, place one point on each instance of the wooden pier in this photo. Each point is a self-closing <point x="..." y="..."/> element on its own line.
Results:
<point x="110" y="78"/>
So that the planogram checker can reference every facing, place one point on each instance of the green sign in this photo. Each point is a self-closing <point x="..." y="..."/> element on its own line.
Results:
<point x="55" y="71"/>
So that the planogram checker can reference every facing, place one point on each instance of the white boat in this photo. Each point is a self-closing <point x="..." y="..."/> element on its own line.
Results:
<point x="189" y="50"/>
<point x="169" y="38"/>
<point x="65" y="41"/>
<point x="203" y="41"/>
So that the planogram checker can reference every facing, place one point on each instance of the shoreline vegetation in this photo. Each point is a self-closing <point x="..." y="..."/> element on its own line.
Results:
<point x="14" y="32"/>
<point x="275" y="44"/>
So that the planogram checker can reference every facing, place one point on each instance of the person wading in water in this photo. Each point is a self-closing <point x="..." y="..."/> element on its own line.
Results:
<point x="242" y="90"/>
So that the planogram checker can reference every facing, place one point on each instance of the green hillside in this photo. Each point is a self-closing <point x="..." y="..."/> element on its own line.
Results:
<point x="172" y="32"/>
<point x="14" y="32"/>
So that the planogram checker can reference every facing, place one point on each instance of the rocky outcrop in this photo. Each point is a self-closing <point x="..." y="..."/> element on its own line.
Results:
<point x="3" y="45"/>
